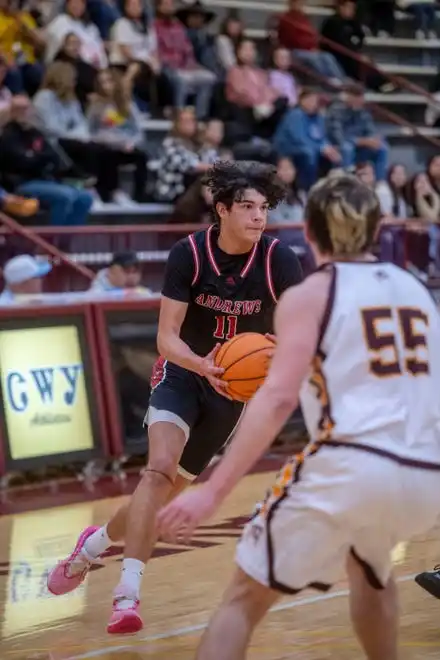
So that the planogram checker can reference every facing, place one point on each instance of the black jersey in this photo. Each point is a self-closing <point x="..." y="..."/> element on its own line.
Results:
<point x="227" y="294"/>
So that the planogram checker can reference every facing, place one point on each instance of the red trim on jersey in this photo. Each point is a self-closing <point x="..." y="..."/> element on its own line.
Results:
<point x="213" y="262"/>
<point x="269" y="278"/>
<point x="193" y="244"/>
<point x="158" y="372"/>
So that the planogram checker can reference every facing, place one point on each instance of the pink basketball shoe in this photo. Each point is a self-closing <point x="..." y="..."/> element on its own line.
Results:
<point x="124" y="621"/>
<point x="60" y="581"/>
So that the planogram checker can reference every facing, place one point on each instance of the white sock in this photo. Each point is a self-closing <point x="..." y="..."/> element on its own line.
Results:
<point x="130" y="583"/>
<point x="96" y="544"/>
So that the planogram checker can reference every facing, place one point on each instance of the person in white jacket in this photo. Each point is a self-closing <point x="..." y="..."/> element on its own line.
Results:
<point x="424" y="16"/>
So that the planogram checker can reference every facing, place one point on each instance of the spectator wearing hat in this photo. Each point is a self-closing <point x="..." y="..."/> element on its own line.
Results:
<point x="196" y="18"/>
<point x="123" y="273"/>
<point x="23" y="276"/>
<point x="180" y="67"/>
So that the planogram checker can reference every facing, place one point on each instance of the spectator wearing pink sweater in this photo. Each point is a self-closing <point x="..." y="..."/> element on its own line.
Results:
<point x="247" y="85"/>
<point x="281" y="78"/>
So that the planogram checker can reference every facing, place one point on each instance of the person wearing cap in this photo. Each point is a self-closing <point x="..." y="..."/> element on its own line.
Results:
<point x="183" y="73"/>
<point x="122" y="273"/>
<point x="23" y="276"/>
<point x="196" y="18"/>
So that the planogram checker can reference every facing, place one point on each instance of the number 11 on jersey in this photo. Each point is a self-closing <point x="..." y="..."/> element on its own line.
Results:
<point x="226" y="327"/>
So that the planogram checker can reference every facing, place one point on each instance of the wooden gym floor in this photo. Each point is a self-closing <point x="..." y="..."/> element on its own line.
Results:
<point x="181" y="588"/>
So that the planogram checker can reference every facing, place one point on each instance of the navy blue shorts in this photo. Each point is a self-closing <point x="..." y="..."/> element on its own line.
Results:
<point x="186" y="399"/>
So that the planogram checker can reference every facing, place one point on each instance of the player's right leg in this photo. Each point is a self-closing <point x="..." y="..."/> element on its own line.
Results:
<point x="174" y="408"/>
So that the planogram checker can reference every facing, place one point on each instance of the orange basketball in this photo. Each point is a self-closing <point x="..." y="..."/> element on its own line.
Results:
<point x="245" y="359"/>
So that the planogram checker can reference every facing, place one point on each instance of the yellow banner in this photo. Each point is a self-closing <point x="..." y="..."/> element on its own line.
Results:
<point x="44" y="392"/>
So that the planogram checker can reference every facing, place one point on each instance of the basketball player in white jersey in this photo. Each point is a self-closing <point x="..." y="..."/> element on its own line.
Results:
<point x="359" y="347"/>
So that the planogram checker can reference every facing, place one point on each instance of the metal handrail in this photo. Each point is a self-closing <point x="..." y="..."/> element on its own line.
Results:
<point x="33" y="235"/>
<point x="392" y="116"/>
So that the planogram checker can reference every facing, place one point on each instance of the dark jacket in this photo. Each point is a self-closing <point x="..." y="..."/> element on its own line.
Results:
<point x="347" y="33"/>
<point x="25" y="154"/>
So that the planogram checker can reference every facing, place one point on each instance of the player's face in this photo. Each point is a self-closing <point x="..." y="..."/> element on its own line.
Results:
<point x="246" y="219"/>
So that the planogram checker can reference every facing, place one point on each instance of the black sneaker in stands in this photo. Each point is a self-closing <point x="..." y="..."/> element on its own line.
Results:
<point x="430" y="581"/>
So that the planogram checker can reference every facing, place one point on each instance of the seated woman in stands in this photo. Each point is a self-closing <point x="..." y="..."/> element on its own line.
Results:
<point x="179" y="163"/>
<point x="70" y="51"/>
<point x="75" y="19"/>
<point x="133" y="50"/>
<point x="115" y="122"/>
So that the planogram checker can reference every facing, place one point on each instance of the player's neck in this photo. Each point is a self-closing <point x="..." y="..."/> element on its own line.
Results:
<point x="231" y="245"/>
<point x="322" y="259"/>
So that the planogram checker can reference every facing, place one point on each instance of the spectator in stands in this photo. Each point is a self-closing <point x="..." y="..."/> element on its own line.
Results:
<point x="425" y="202"/>
<point x="433" y="171"/>
<point x="248" y="87"/>
<point x="21" y="43"/>
<point x="75" y="19"/>
<point x="85" y="73"/>
<point x="22" y="275"/>
<point x="230" y="35"/>
<point x="344" y="29"/>
<point x="133" y="49"/>
<point x="196" y="18"/>
<point x="392" y="195"/>
<point x="281" y="78"/>
<point x="195" y="206"/>
<point x="424" y="12"/>
<point x="5" y="93"/>
<point x="32" y="168"/>
<point x="179" y="161"/>
<point x="352" y="130"/>
<point x="211" y="136"/>
<point x="297" y="33"/>
<point x="122" y="273"/>
<point x="301" y="136"/>
<point x="184" y="74"/>
<point x="292" y="209"/>
<point x="115" y="122"/>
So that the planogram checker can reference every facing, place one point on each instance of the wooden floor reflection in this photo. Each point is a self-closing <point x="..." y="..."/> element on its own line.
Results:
<point x="182" y="586"/>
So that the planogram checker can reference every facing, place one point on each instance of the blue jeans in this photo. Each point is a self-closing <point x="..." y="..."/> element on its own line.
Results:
<point x="351" y="155"/>
<point x="198" y="82"/>
<point x="424" y="16"/>
<point x="324" y="63"/>
<point x="25" y="78"/>
<point x="307" y="161"/>
<point x="68" y="205"/>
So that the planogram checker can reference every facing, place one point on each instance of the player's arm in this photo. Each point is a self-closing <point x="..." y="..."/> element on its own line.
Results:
<point x="176" y="294"/>
<point x="297" y="325"/>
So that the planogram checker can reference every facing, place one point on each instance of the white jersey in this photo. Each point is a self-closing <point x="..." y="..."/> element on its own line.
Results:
<point x="376" y="377"/>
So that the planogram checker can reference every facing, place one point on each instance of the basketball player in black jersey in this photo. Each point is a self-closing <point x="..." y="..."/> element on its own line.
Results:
<point x="219" y="282"/>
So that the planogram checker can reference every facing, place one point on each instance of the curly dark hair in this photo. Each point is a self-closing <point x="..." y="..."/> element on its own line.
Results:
<point x="228" y="182"/>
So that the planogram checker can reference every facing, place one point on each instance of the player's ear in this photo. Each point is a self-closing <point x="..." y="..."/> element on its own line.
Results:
<point x="221" y="210"/>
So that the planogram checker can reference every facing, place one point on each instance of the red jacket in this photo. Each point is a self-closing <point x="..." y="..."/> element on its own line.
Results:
<point x="296" y="32"/>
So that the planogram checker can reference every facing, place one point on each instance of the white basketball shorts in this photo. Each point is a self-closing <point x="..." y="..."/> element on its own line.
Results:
<point x="327" y="504"/>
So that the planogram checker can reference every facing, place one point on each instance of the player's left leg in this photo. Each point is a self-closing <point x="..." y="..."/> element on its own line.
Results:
<point x="229" y="632"/>
<point x="374" y="613"/>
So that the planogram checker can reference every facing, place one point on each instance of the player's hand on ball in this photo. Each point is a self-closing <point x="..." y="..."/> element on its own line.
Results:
<point x="178" y="520"/>
<point x="272" y="338"/>
<point x="212" y="373"/>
